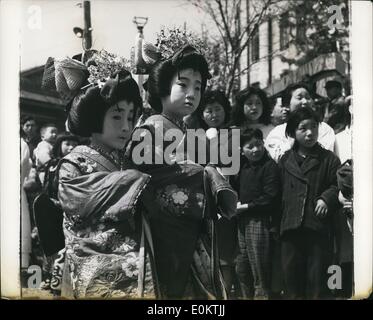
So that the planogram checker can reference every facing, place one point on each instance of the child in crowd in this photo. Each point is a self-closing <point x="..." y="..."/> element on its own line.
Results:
<point x="65" y="143"/>
<point x="296" y="96"/>
<point x="252" y="111"/>
<point x="309" y="198"/>
<point x="43" y="152"/>
<point x="258" y="186"/>
<point x="213" y="112"/>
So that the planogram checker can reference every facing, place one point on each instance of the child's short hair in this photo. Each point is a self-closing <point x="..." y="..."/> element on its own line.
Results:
<point x="297" y="117"/>
<point x="44" y="127"/>
<point x="64" y="136"/>
<point x="212" y="96"/>
<point x="238" y="116"/>
<point x="249" y="134"/>
<point x="286" y="96"/>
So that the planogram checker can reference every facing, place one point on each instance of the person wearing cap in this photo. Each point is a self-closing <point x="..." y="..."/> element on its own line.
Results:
<point x="336" y="111"/>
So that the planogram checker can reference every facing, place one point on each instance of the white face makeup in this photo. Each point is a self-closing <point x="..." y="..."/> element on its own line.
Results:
<point x="185" y="94"/>
<point x="117" y="126"/>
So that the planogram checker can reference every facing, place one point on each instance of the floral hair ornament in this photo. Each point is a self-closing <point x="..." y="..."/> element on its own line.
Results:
<point x="173" y="44"/>
<point x="190" y="52"/>
<point x="108" y="90"/>
<point x="68" y="76"/>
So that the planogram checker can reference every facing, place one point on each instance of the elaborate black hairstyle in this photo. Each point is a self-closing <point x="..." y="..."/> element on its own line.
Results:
<point x="238" y="116"/>
<point x="209" y="97"/>
<point x="64" y="136"/>
<point x="160" y="76"/>
<point x="88" y="108"/>
<point x="297" y="117"/>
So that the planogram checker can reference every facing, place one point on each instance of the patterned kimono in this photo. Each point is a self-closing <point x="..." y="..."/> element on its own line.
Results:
<point x="106" y="253"/>
<point x="182" y="221"/>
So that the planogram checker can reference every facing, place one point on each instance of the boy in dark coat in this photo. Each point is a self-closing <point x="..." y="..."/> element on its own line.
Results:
<point x="309" y="198"/>
<point x="258" y="186"/>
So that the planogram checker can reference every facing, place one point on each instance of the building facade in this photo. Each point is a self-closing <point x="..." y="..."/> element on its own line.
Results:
<point x="43" y="105"/>
<point x="272" y="42"/>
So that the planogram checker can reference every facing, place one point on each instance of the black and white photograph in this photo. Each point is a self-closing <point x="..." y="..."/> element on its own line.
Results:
<point x="186" y="150"/>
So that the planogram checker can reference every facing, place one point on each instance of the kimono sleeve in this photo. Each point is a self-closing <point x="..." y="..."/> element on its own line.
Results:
<point x="99" y="196"/>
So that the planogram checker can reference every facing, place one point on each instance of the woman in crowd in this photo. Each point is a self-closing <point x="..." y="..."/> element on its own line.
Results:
<point x="252" y="111"/>
<point x="296" y="96"/>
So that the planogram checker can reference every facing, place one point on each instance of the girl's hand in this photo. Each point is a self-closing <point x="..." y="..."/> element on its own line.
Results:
<point x="321" y="209"/>
<point x="241" y="207"/>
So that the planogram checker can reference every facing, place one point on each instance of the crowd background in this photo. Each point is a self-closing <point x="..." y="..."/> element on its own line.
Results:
<point x="249" y="272"/>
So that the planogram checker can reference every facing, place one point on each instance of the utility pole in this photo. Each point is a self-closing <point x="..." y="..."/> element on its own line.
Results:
<point x="86" y="33"/>
<point x="248" y="45"/>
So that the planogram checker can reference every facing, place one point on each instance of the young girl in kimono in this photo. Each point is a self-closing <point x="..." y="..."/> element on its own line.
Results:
<point x="212" y="115"/>
<point x="309" y="200"/>
<point x="99" y="195"/>
<point x="182" y="247"/>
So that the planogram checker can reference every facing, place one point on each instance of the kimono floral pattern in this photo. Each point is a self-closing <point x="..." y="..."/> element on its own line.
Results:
<point x="177" y="200"/>
<point x="86" y="165"/>
<point x="102" y="256"/>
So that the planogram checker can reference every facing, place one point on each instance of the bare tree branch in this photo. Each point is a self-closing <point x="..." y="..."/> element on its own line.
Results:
<point x="227" y="29"/>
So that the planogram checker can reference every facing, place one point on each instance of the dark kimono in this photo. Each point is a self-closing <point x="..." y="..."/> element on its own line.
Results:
<point x="106" y="253"/>
<point x="187" y="198"/>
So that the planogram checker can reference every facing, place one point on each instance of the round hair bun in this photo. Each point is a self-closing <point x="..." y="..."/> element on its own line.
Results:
<point x="85" y="112"/>
<point x="189" y="53"/>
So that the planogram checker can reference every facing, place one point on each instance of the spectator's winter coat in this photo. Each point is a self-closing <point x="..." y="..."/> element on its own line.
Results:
<point x="304" y="182"/>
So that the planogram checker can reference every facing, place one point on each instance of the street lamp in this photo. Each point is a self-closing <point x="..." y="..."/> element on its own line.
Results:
<point x="140" y="65"/>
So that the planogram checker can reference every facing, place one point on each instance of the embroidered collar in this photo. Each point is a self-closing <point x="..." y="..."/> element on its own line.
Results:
<point x="114" y="156"/>
<point x="177" y="122"/>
